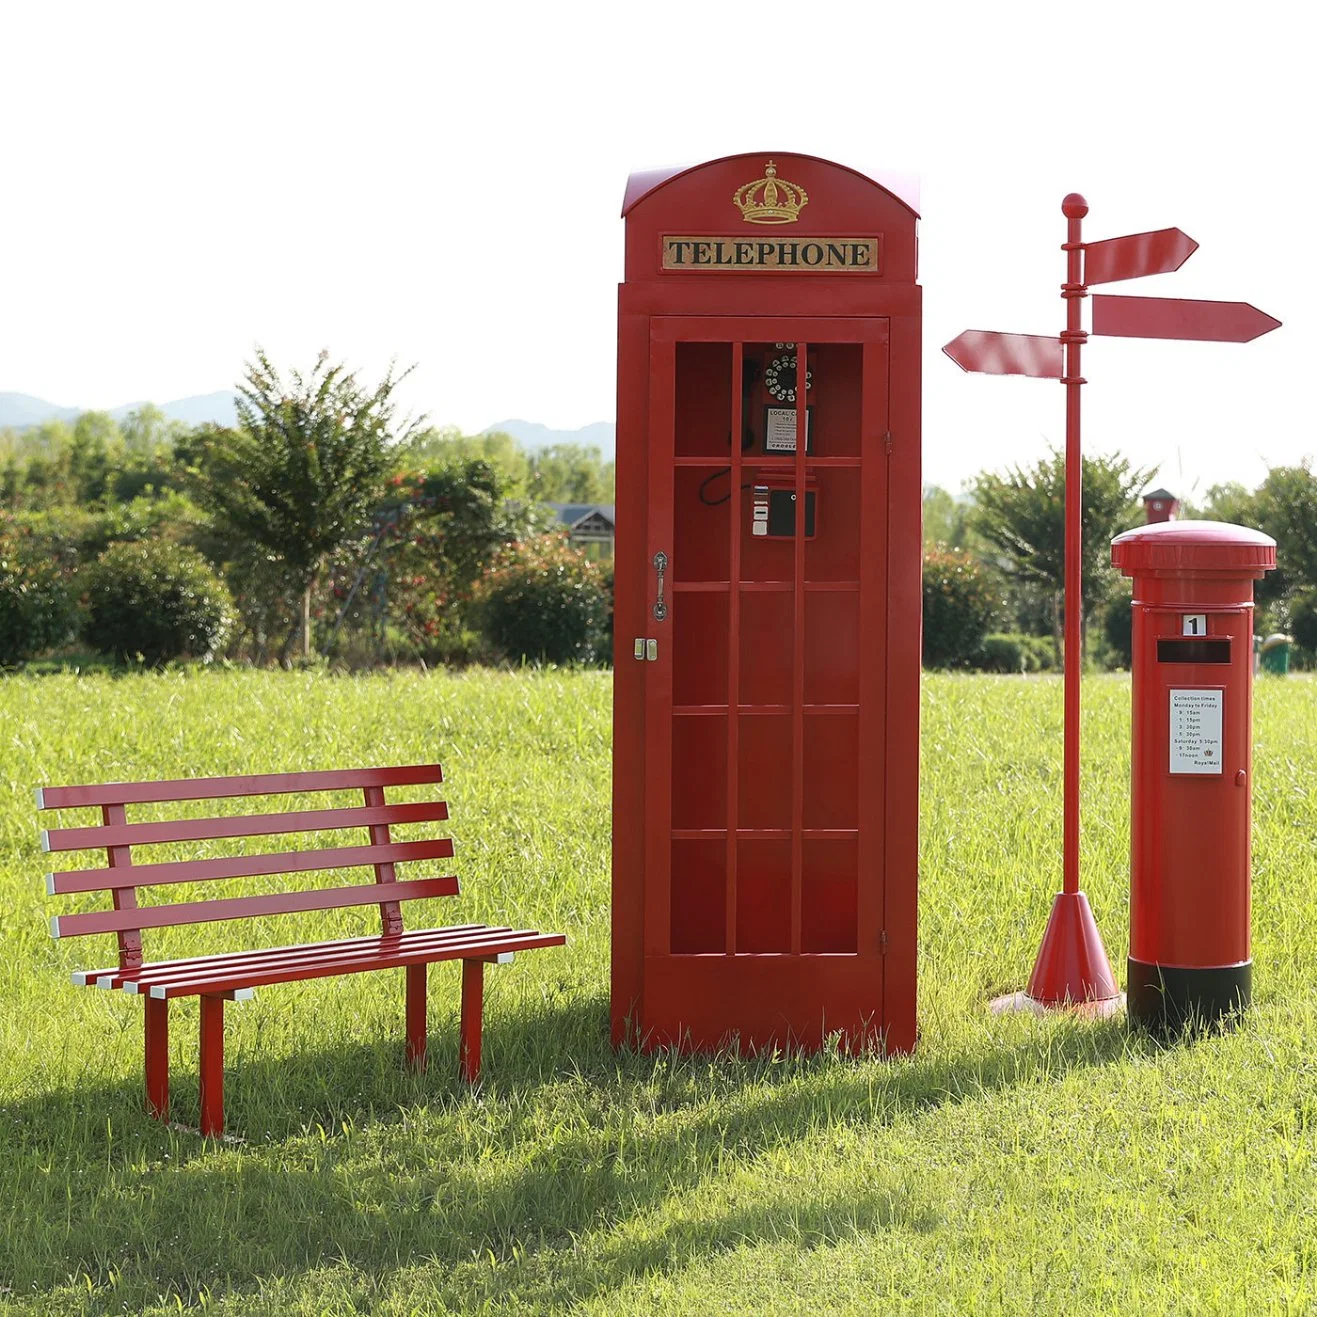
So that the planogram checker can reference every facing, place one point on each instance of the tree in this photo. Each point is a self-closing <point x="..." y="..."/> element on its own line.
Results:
<point x="1284" y="506"/>
<point x="946" y="518"/>
<point x="570" y="473"/>
<point x="304" y="470"/>
<point x="959" y="606"/>
<point x="1022" y="516"/>
<point x="432" y="543"/>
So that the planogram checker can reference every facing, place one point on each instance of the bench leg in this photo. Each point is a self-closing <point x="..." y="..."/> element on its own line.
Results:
<point x="473" y="1006"/>
<point x="157" y="1057"/>
<point x="416" y="1016"/>
<point x="212" y="1066"/>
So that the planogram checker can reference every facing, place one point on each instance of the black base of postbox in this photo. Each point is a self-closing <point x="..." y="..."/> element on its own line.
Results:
<point x="1168" y="999"/>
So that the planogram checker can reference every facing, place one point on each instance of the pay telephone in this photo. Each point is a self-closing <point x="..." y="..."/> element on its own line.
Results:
<point x="769" y="381"/>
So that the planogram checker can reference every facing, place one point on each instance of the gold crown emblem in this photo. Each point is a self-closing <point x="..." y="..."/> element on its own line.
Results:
<point x="770" y="200"/>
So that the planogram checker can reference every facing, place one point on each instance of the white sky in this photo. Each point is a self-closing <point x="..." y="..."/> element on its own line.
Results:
<point x="442" y="183"/>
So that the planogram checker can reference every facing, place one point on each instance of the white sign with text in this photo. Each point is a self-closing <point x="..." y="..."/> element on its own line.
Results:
<point x="1196" y="745"/>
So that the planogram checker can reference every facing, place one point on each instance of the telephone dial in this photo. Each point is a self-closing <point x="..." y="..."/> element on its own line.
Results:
<point x="769" y="384"/>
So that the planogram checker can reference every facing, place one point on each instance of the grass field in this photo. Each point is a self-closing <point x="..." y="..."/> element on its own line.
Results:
<point x="1009" y="1165"/>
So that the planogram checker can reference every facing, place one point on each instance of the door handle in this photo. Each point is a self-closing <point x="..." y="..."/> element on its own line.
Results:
<point x="660" y="604"/>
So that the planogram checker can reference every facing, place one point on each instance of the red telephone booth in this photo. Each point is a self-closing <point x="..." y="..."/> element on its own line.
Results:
<point x="766" y="723"/>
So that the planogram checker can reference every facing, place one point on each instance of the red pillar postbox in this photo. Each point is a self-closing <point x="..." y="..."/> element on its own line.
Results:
<point x="1190" y="811"/>
<point x="766" y="688"/>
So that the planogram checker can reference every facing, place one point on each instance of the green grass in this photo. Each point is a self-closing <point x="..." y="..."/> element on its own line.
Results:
<point x="1009" y="1165"/>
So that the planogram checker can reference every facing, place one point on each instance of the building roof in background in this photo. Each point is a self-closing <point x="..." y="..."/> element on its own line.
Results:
<point x="572" y="514"/>
<point x="1160" y="493"/>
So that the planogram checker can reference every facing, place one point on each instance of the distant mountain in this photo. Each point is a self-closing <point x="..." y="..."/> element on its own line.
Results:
<point x="531" y="434"/>
<point x="217" y="408"/>
<point x="19" y="410"/>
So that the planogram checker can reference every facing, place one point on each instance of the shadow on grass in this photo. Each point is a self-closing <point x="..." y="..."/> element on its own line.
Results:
<point x="558" y="1171"/>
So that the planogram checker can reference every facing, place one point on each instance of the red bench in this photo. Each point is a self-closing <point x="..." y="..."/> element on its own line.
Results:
<point x="235" y="976"/>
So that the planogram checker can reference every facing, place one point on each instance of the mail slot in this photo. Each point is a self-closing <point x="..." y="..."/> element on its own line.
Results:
<point x="1191" y="766"/>
<point x="1209" y="649"/>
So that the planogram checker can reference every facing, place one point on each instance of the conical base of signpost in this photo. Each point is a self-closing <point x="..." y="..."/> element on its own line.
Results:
<point x="1072" y="969"/>
<point x="1072" y="965"/>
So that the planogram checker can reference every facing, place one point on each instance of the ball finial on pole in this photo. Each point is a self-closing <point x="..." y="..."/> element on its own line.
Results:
<point x="1074" y="206"/>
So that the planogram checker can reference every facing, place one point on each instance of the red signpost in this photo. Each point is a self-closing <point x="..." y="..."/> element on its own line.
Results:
<point x="1162" y="251"/>
<point x="992" y="353"/>
<point x="1170" y="317"/>
<point x="1072" y="966"/>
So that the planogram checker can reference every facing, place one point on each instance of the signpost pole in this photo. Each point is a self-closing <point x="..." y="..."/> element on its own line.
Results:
<point x="1072" y="966"/>
<point x="1073" y="291"/>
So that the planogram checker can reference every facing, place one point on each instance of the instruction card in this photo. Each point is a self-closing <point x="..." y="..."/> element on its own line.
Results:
<point x="1196" y="731"/>
<point x="780" y="430"/>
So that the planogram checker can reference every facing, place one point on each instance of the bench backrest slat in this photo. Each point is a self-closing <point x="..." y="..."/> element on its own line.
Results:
<point x="218" y="788"/>
<point x="70" y="881"/>
<point x="245" y="907"/>
<point x="239" y="825"/>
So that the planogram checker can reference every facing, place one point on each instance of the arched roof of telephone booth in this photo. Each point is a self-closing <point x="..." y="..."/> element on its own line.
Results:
<point x="904" y="187"/>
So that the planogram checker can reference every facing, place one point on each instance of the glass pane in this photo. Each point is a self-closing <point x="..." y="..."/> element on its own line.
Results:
<point x="699" y="896"/>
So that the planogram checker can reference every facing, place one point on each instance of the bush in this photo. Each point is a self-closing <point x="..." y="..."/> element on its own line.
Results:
<point x="542" y="600"/>
<point x="1118" y="629"/>
<point x="37" y="611"/>
<point x="959" y="606"/>
<point x="1005" y="651"/>
<point x="156" y="600"/>
<point x="1303" y="620"/>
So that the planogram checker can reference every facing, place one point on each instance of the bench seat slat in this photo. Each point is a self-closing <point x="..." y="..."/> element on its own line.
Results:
<point x="246" y="907"/>
<point x="218" y="788"/>
<point x="69" y="881"/>
<point x="181" y="970"/>
<point x="473" y="946"/>
<point x="113" y="977"/>
<point x="240" y="825"/>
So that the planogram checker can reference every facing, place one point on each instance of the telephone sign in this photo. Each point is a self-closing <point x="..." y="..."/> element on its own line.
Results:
<point x="765" y="798"/>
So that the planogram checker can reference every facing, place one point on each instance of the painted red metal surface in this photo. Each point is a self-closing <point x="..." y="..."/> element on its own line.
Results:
<point x="292" y="965"/>
<point x="1160" y="251"/>
<point x="640" y="184"/>
<point x="1072" y="966"/>
<point x="416" y="1015"/>
<point x="232" y="975"/>
<point x="157" y="1059"/>
<point x="1072" y="963"/>
<point x="1170" y="317"/>
<point x="161" y="970"/>
<point x="68" y="881"/>
<point x="1190" y="833"/>
<point x="247" y="907"/>
<point x="212" y="1067"/>
<point x="220" y="788"/>
<point x="990" y="353"/>
<point x="269" y="824"/>
<point x="473" y="1006"/>
<point x="764" y="868"/>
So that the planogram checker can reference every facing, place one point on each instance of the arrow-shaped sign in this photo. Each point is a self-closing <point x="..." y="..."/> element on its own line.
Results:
<point x="991" y="353"/>
<point x="1137" y="254"/>
<point x="1169" y="317"/>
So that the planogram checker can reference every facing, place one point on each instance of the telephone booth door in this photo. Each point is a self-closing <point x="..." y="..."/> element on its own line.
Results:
<point x="765" y="680"/>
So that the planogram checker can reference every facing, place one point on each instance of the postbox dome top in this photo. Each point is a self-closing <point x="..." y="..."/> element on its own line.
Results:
<point x="1193" y="546"/>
